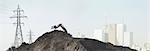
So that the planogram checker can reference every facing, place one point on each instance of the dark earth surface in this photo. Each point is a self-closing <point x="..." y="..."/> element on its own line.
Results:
<point x="61" y="41"/>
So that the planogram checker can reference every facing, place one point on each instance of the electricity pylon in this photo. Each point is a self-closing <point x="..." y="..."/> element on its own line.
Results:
<point x="18" y="34"/>
<point x="30" y="37"/>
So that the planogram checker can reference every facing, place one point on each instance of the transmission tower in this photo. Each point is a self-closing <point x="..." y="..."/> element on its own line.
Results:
<point x="18" y="34"/>
<point x="30" y="36"/>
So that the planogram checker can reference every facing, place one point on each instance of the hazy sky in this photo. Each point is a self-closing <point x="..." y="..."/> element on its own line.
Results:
<point x="82" y="16"/>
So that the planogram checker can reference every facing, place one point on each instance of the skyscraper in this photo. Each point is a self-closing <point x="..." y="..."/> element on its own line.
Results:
<point x="111" y="33"/>
<point x="120" y="33"/>
<point x="128" y="39"/>
<point x="114" y="33"/>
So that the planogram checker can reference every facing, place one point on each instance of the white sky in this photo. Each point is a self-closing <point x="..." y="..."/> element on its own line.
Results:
<point x="82" y="16"/>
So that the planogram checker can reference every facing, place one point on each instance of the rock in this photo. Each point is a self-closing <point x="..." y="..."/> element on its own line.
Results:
<point x="61" y="41"/>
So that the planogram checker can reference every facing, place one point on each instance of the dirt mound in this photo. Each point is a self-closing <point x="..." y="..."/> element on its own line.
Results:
<point x="61" y="41"/>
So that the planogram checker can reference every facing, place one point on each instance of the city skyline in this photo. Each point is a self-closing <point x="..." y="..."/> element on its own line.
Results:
<point x="115" y="34"/>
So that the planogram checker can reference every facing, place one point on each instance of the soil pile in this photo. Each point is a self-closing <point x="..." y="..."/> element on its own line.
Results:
<point x="61" y="41"/>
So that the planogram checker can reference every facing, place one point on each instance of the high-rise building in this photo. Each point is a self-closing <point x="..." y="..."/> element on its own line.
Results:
<point x="104" y="35"/>
<point x="110" y="32"/>
<point x="114" y="33"/>
<point x="128" y="39"/>
<point x="120" y="33"/>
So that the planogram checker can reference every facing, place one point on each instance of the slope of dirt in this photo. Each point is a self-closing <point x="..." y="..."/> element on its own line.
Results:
<point x="61" y="41"/>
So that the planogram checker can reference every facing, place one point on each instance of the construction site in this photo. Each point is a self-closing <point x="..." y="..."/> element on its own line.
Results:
<point x="61" y="40"/>
<point x="73" y="26"/>
<point x="58" y="40"/>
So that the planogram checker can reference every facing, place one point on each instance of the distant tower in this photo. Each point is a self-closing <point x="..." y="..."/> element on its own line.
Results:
<point x="18" y="35"/>
<point x="30" y="37"/>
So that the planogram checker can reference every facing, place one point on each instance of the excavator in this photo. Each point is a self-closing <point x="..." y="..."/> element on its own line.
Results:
<point x="59" y="25"/>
